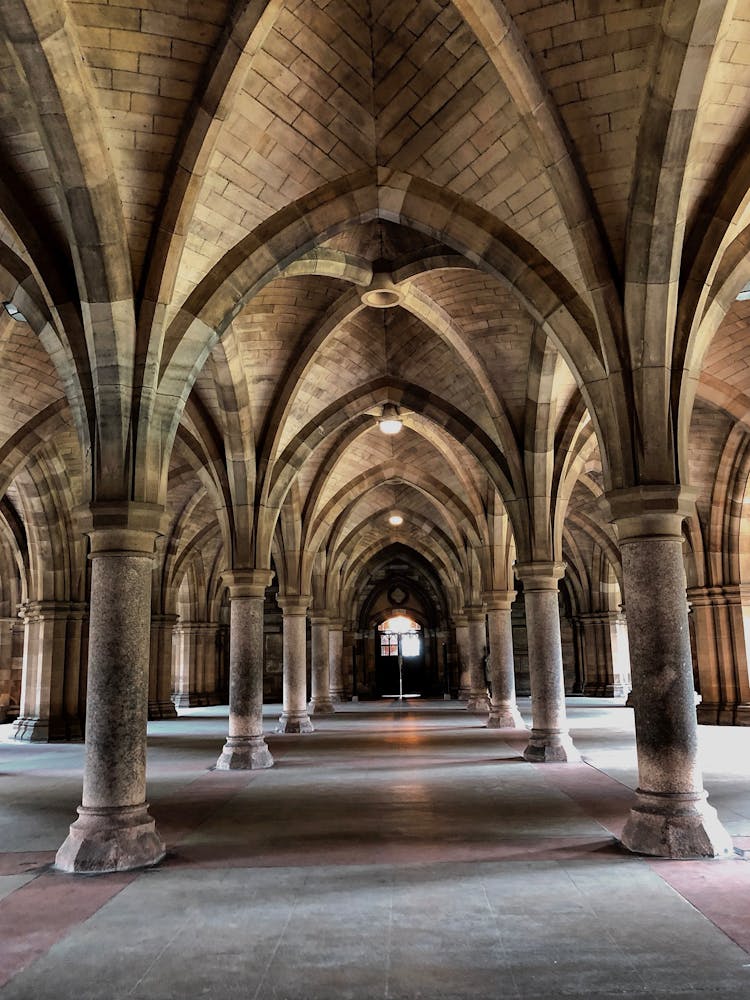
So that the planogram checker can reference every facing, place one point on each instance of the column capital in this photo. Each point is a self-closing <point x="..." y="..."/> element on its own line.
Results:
<point x="37" y="610"/>
<point x="320" y="619"/>
<point x="246" y="582"/>
<point x="294" y="604"/>
<point x="539" y="575"/>
<point x="599" y="617"/>
<point x="460" y="619"/>
<point x="498" y="600"/>
<point x="164" y="620"/>
<point x="475" y="612"/>
<point x="736" y="593"/>
<point x="336" y="624"/>
<point x="655" y="511"/>
<point x="706" y="597"/>
<point x="121" y="527"/>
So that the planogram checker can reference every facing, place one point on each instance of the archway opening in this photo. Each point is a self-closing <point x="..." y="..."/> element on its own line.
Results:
<point x="399" y="657"/>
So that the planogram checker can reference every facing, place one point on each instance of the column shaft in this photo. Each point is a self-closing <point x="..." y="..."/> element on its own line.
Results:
<point x="671" y="817"/>
<point x="336" y="659"/>
<point x="504" y="712"/>
<point x="294" y="717"/>
<point x="477" y="700"/>
<point x="461" y="625"/>
<point x="320" y="700"/>
<point x="245" y="748"/>
<point x="114" y="831"/>
<point x="160" y="704"/>
<point x="549" y="740"/>
<point x="721" y="653"/>
<point x="43" y="713"/>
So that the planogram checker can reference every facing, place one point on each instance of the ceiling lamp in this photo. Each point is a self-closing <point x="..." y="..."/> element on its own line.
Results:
<point x="381" y="293"/>
<point x="390" y="422"/>
<point x="395" y="520"/>
<point x="14" y="312"/>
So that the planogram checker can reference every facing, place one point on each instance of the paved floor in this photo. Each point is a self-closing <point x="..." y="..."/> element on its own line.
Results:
<point x="395" y="853"/>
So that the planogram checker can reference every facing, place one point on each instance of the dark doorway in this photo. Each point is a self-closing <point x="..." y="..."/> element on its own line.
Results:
<point x="399" y="657"/>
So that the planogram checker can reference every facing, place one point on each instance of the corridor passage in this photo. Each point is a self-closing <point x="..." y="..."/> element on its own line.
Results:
<point x="397" y="852"/>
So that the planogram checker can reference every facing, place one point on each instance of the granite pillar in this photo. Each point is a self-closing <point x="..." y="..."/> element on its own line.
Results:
<point x="48" y="710"/>
<point x="320" y="700"/>
<point x="671" y="817"/>
<point x="720" y="615"/>
<point x="160" y="704"/>
<point x="6" y="672"/>
<point x="549" y="740"/>
<point x="461" y="626"/>
<point x="114" y="831"/>
<point x="294" y="717"/>
<point x="477" y="700"/>
<point x="336" y="659"/>
<point x="603" y="649"/>
<point x="196" y="673"/>
<point x="245" y="748"/>
<point x="504" y="712"/>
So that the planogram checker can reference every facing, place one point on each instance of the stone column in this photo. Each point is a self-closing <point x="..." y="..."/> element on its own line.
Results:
<point x="6" y="659"/>
<point x="320" y="701"/>
<point x="74" y="697"/>
<point x="114" y="831"/>
<point x="43" y="716"/>
<point x="461" y="625"/>
<point x="245" y="748"/>
<point x="721" y="653"/>
<point x="294" y="717"/>
<point x="549" y="740"/>
<point x="336" y="659"/>
<point x="671" y="817"/>
<point x="504" y="712"/>
<point x="477" y="700"/>
<point x="185" y="694"/>
<point x="195" y="676"/>
<point x="603" y="647"/>
<point x="210" y="642"/>
<point x="160" y="704"/>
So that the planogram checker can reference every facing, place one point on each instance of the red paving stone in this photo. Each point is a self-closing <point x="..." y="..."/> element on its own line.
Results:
<point x="42" y="912"/>
<point x="720" y="890"/>
<point x="37" y="915"/>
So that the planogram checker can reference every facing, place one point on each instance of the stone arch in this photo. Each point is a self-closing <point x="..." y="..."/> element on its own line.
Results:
<point x="384" y="194"/>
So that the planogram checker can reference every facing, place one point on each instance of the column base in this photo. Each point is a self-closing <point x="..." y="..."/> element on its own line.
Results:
<point x="505" y="717"/>
<point x="31" y="729"/>
<point x="162" y="710"/>
<point x="550" y="747"/>
<point x="616" y="691"/>
<point x="320" y="706"/>
<point x="477" y="702"/>
<point x="296" y="722"/>
<point x="675" y="825"/>
<point x="115" y="839"/>
<point x="337" y="696"/>
<point x="244" y="753"/>
<point x="192" y="699"/>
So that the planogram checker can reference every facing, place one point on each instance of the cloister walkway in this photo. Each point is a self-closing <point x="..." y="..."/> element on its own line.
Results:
<point x="398" y="852"/>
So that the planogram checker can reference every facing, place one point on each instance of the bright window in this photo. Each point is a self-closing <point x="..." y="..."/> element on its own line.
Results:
<point x="407" y="629"/>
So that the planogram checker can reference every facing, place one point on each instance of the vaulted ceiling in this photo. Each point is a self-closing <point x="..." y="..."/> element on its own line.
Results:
<point x="233" y="178"/>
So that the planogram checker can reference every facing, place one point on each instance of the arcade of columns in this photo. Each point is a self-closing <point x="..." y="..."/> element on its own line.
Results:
<point x="235" y="236"/>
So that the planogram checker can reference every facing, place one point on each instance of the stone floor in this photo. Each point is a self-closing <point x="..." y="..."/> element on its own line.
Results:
<point x="395" y="853"/>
